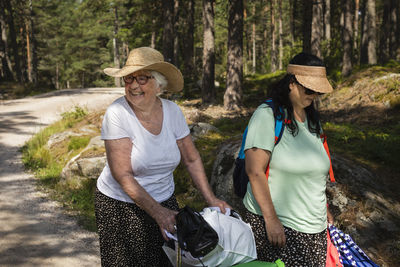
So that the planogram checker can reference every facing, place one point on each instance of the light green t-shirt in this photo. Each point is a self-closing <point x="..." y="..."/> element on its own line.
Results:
<point x="297" y="176"/>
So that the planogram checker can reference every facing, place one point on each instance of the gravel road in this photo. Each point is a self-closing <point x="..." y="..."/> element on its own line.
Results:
<point x="34" y="231"/>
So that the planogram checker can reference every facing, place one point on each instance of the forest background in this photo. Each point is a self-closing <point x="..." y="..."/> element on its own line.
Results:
<point x="66" y="44"/>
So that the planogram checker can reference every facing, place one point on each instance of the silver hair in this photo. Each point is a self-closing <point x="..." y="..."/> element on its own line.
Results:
<point x="160" y="79"/>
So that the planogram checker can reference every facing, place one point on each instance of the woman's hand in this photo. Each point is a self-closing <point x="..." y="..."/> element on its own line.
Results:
<point x="222" y="205"/>
<point x="165" y="219"/>
<point x="275" y="231"/>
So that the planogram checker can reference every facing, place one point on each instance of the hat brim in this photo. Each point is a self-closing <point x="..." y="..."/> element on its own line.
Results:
<point x="170" y="72"/>
<point x="317" y="84"/>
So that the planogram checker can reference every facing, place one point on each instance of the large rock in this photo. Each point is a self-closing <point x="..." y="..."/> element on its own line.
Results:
<point x="86" y="167"/>
<point x="221" y="179"/>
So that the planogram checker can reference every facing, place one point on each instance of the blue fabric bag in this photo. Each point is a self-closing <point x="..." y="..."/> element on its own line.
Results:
<point x="349" y="253"/>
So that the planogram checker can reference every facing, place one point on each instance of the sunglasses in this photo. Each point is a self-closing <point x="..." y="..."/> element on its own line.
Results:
<point x="140" y="79"/>
<point x="309" y="91"/>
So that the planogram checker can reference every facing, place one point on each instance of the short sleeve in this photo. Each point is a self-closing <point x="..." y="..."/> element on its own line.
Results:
<point x="113" y="126"/>
<point x="261" y="129"/>
<point x="180" y="126"/>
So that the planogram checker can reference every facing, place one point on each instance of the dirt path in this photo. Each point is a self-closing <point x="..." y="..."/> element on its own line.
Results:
<point x="34" y="231"/>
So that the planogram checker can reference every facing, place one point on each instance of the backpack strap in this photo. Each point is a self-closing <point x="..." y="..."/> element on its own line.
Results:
<point x="279" y="127"/>
<point x="325" y="143"/>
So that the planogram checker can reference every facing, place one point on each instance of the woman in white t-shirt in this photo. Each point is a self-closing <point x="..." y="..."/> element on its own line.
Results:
<point x="288" y="212"/>
<point x="145" y="139"/>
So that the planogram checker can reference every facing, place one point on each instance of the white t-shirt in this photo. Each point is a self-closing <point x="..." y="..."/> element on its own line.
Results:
<point x="153" y="157"/>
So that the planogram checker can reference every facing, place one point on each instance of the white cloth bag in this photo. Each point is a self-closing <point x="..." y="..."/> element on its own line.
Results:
<point x="236" y="242"/>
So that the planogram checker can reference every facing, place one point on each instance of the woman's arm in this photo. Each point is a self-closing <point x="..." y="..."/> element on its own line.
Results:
<point x="119" y="160"/>
<point x="192" y="160"/>
<point x="256" y="164"/>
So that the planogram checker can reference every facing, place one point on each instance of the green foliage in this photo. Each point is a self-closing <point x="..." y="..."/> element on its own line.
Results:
<point x="76" y="114"/>
<point x="370" y="145"/>
<point x="76" y="143"/>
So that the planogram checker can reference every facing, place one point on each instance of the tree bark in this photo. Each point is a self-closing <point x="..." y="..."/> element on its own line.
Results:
<point x="347" y="35"/>
<point x="176" y="30"/>
<point x="234" y="77"/>
<point x="393" y="25"/>
<point x="368" y="34"/>
<point x="168" y="34"/>
<point x="307" y="20"/>
<point x="6" y="67"/>
<point x="327" y="20"/>
<point x="274" y="66"/>
<point x="17" y="65"/>
<point x="33" y="45"/>
<point x="117" y="80"/>
<point x="385" y="33"/>
<point x="253" y="37"/>
<point x="188" y="43"/>
<point x="280" y="36"/>
<point x="317" y="28"/>
<point x="265" y="34"/>
<point x="208" y="87"/>
<point x="356" y="10"/>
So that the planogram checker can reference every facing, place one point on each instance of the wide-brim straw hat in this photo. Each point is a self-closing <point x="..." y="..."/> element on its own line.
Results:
<point x="147" y="58"/>
<point x="312" y="77"/>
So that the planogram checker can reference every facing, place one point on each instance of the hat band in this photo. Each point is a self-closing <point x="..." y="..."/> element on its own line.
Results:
<point x="302" y="70"/>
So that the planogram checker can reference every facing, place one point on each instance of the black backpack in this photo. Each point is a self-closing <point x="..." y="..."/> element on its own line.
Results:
<point x="194" y="233"/>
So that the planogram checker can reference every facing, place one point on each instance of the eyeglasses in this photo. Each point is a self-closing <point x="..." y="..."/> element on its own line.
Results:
<point x="309" y="91"/>
<point x="140" y="79"/>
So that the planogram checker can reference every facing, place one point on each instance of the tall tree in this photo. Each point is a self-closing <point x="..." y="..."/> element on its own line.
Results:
<point x="385" y="33"/>
<point x="347" y="38"/>
<point x="356" y="11"/>
<point x="317" y="29"/>
<point x="168" y="34"/>
<point x="307" y="19"/>
<point x="234" y="76"/>
<point x="207" y="86"/>
<point x="280" y="36"/>
<point x="117" y="80"/>
<point x="188" y="43"/>
<point x="7" y="72"/>
<point x="393" y="38"/>
<point x="15" y="47"/>
<point x="274" y="64"/>
<point x="368" y="33"/>
<point x="176" y="30"/>
<point x="253" y="38"/>
<point x="327" y="20"/>
<point x="33" y="45"/>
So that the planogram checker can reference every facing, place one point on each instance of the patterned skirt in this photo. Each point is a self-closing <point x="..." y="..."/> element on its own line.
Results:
<point x="308" y="250"/>
<point x="128" y="235"/>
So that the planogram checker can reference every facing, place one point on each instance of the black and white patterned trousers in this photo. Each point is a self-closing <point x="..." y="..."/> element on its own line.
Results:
<point x="308" y="250"/>
<point x="128" y="235"/>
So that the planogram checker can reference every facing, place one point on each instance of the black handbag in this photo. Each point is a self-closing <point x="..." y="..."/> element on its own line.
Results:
<point x="194" y="233"/>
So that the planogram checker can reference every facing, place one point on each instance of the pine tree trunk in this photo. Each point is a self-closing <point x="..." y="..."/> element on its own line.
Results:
<point x="317" y="28"/>
<point x="17" y="65"/>
<point x="327" y="20"/>
<point x="208" y="87"/>
<point x="168" y="34"/>
<point x="234" y="77"/>
<point x="28" y="53"/>
<point x="347" y="35"/>
<point x="188" y="43"/>
<point x="307" y="19"/>
<point x="176" y="30"/>
<point x="368" y="34"/>
<point x="6" y="67"/>
<point x="34" y="59"/>
<point x="280" y="36"/>
<point x="265" y="35"/>
<point x="253" y="37"/>
<point x="356" y="10"/>
<point x="274" y="66"/>
<point x="385" y="33"/>
<point x="393" y="24"/>
<point x="117" y="80"/>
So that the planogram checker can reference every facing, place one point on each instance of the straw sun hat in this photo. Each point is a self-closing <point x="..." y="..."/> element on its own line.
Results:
<point x="146" y="58"/>
<point x="312" y="77"/>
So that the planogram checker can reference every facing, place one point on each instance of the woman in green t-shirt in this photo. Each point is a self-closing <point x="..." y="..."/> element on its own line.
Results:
<point x="288" y="212"/>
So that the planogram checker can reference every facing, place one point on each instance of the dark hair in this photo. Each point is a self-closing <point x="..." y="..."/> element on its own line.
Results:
<point x="280" y="96"/>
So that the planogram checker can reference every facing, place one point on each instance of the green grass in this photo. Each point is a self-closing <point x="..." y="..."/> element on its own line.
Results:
<point x="369" y="144"/>
<point x="47" y="164"/>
